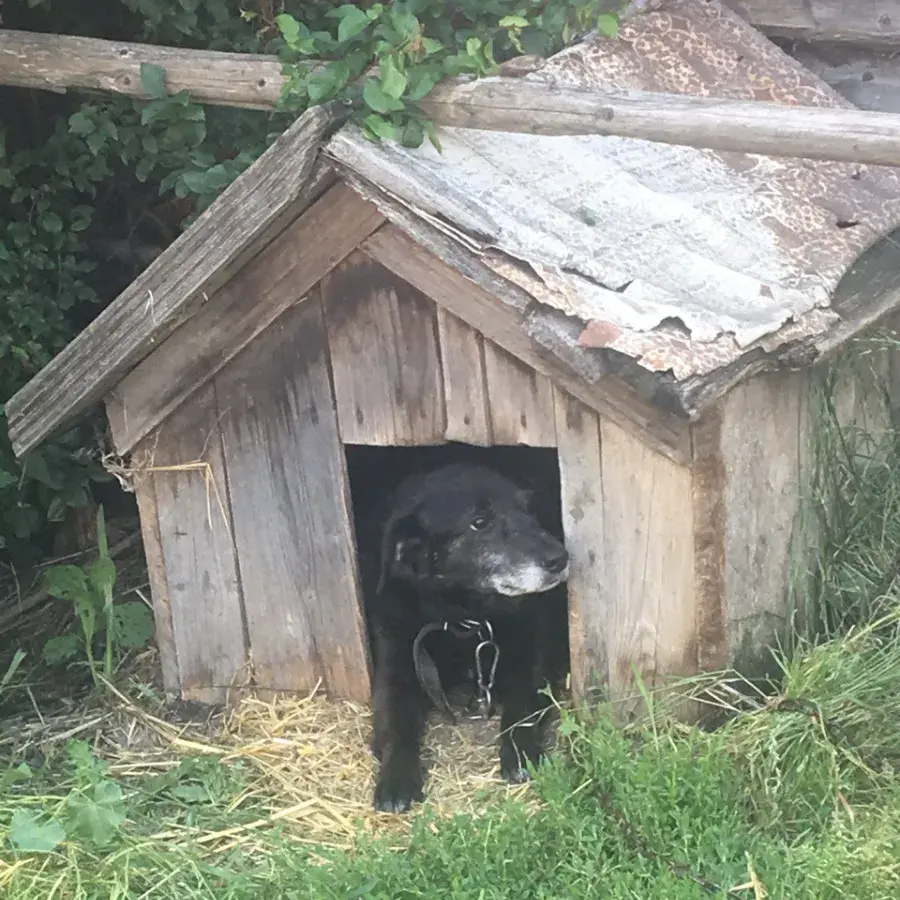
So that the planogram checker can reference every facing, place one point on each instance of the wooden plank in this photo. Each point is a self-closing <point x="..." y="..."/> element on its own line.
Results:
<point x="869" y="79"/>
<point x="499" y="311"/>
<point x="590" y="599"/>
<point x="384" y="357"/>
<point x="291" y="509"/>
<point x="708" y="479"/>
<point x="145" y="493"/>
<point x="195" y="533"/>
<point x="649" y="564"/>
<point x="280" y="276"/>
<point x="465" y="391"/>
<point x="871" y="22"/>
<point x="520" y="400"/>
<point x="197" y="264"/>
<point x="763" y="435"/>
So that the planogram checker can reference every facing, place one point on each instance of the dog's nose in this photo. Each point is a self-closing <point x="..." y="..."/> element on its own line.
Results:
<point x="557" y="562"/>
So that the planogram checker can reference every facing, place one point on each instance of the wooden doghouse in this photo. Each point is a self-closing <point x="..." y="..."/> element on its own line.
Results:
<point x="649" y="310"/>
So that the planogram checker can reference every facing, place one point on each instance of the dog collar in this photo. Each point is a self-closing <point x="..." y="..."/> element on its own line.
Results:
<point x="427" y="672"/>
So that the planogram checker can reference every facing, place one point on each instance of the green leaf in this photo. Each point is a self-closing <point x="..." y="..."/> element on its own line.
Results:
<point x="377" y="100"/>
<point x="328" y="81"/>
<point x="133" y="624"/>
<point x="473" y="45"/>
<point x="191" y="793"/>
<point x="421" y="81"/>
<point x="513" y="22"/>
<point x="405" y="22"/>
<point x="11" y="669"/>
<point x="56" y="511"/>
<point x="608" y="25"/>
<point x="144" y="167"/>
<point x="96" y="142"/>
<point x="20" y="773"/>
<point x="289" y="28"/>
<point x="103" y="575"/>
<point x="378" y="126"/>
<point x="51" y="222"/>
<point x="28" y="833"/>
<point x="413" y="134"/>
<point x="431" y="131"/>
<point x="62" y="648"/>
<point x="67" y="582"/>
<point x="35" y="464"/>
<point x="353" y="22"/>
<point x="393" y="81"/>
<point x="97" y="818"/>
<point x="429" y="45"/>
<point x="153" y="80"/>
<point x="80" y="123"/>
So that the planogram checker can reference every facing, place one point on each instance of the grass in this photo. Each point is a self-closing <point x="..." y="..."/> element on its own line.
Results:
<point x="796" y="796"/>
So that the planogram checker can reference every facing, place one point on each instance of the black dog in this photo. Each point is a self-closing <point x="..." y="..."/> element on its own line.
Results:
<point x="462" y="559"/>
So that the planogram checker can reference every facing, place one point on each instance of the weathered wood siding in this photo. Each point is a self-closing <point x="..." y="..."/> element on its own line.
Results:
<point x="465" y="385"/>
<point x="763" y="430"/>
<point x="292" y="525"/>
<point x="194" y="523"/>
<point x="291" y="266"/>
<point x="591" y="602"/>
<point x="520" y="400"/>
<point x="384" y="357"/>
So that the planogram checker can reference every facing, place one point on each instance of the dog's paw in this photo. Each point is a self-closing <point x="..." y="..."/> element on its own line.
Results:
<point x="514" y="762"/>
<point x="397" y="794"/>
<point x="515" y="775"/>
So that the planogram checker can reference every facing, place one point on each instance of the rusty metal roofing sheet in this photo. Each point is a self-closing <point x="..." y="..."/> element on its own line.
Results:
<point x="682" y="258"/>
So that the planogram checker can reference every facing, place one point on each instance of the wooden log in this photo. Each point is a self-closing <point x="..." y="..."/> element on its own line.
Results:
<point x="58" y="62"/>
<point x="247" y="215"/>
<point x="869" y="22"/>
<point x="591" y="600"/>
<point x="384" y="357"/>
<point x="534" y="107"/>
<point x="292" y="523"/>
<point x="511" y="104"/>
<point x="520" y="400"/>
<point x="465" y="390"/>
<point x="278" y="277"/>
<point x="195" y="532"/>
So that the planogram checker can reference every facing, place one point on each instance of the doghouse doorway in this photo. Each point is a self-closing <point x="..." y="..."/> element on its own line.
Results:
<point x="374" y="472"/>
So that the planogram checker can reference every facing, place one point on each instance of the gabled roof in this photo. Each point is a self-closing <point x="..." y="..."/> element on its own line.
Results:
<point x="687" y="267"/>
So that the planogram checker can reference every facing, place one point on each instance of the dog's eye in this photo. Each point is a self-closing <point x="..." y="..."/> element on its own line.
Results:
<point x="479" y="523"/>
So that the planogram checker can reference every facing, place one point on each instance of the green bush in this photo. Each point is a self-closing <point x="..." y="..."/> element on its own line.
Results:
<point x="77" y="177"/>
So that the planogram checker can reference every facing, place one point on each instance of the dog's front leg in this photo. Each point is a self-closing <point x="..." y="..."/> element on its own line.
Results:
<point x="520" y="720"/>
<point x="398" y="712"/>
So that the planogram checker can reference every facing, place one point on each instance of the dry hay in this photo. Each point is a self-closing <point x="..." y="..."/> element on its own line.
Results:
<point x="312" y="769"/>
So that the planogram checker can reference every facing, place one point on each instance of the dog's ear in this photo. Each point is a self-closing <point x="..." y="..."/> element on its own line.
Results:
<point x="402" y="546"/>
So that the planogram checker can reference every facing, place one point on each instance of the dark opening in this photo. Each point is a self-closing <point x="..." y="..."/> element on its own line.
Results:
<point x="375" y="472"/>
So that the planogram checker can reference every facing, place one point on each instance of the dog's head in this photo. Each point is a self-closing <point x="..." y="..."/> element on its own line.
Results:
<point x="467" y="527"/>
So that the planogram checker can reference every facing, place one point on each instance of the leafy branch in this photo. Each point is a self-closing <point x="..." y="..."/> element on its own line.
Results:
<point x="381" y="59"/>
